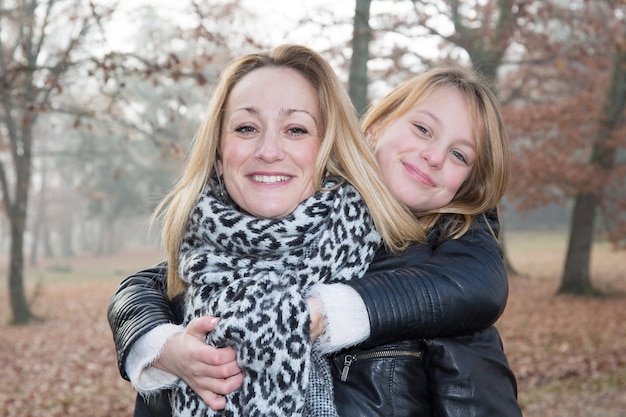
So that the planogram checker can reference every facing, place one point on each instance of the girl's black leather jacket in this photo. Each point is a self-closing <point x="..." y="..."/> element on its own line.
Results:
<point x="418" y="302"/>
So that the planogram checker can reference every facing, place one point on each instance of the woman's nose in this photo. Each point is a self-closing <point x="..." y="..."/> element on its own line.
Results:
<point x="270" y="146"/>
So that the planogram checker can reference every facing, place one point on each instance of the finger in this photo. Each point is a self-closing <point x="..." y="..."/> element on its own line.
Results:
<point x="221" y="386"/>
<point x="200" y="326"/>
<point x="203" y="355"/>
<point x="214" y="401"/>
<point x="208" y="367"/>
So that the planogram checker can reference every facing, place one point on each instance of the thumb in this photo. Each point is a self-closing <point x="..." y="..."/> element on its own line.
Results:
<point x="200" y="326"/>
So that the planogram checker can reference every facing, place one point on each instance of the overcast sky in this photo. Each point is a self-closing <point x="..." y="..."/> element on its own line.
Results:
<point x="277" y="23"/>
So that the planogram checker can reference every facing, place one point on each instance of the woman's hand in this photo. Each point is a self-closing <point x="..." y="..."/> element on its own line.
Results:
<point x="209" y="371"/>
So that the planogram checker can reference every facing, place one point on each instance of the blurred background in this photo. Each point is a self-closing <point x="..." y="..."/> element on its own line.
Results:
<point x="99" y="100"/>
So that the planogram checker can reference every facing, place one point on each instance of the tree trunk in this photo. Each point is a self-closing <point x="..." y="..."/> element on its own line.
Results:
<point x="38" y="225"/>
<point x="40" y="216"/>
<point x="17" y="210"/>
<point x="17" y="216"/>
<point x="20" y="310"/>
<point x="48" y="253"/>
<point x="357" y="84"/>
<point x="576" y="278"/>
<point x="66" y="234"/>
<point x="19" y="305"/>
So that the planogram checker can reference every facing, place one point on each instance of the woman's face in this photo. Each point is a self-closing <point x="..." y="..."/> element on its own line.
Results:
<point x="270" y="142"/>
<point x="427" y="153"/>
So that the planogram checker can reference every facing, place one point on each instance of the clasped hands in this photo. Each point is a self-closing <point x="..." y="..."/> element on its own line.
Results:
<point x="213" y="372"/>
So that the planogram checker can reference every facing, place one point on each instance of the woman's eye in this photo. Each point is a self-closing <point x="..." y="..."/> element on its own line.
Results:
<point x="245" y="129"/>
<point x="297" y="131"/>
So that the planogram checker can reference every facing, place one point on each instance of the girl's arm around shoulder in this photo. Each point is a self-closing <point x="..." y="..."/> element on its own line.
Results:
<point x="138" y="305"/>
<point x="460" y="288"/>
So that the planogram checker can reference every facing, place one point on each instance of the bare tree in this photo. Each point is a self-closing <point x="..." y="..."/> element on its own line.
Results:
<point x="576" y="277"/>
<point x="32" y="64"/>
<point x="566" y="115"/>
<point x="358" y="79"/>
<point x="49" y="48"/>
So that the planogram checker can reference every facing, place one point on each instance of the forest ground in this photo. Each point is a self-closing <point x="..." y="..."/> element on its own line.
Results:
<point x="568" y="353"/>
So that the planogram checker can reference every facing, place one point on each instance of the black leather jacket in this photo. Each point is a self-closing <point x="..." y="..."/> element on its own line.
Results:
<point x="454" y="288"/>
<point x="466" y="375"/>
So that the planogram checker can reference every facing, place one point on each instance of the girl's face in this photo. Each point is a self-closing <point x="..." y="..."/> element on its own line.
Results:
<point x="270" y="143"/>
<point x="427" y="153"/>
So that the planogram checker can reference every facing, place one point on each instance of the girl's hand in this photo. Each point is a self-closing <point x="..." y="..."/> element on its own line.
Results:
<point x="318" y="326"/>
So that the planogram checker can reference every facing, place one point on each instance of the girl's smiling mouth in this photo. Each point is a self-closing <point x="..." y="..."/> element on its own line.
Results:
<point x="418" y="175"/>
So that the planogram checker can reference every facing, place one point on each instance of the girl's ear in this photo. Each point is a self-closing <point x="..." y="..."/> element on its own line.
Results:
<point x="219" y="168"/>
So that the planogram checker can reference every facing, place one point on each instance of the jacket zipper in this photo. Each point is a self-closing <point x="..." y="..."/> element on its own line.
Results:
<point x="350" y="359"/>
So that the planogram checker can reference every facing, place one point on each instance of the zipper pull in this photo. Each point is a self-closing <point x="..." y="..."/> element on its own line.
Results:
<point x="346" y="366"/>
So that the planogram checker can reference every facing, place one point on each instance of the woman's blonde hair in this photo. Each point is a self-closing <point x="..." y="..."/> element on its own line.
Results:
<point x="343" y="152"/>
<point x="489" y="176"/>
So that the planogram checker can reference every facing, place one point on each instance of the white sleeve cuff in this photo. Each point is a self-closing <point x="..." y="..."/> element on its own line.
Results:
<point x="145" y="377"/>
<point x="346" y="317"/>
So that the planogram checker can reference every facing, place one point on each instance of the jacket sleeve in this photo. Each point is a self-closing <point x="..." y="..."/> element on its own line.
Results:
<point x="461" y="288"/>
<point x="138" y="305"/>
<point x="471" y="376"/>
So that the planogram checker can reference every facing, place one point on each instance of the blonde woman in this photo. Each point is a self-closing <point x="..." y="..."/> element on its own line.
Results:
<point x="279" y="193"/>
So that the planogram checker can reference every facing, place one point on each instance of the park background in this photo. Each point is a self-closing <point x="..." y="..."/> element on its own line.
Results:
<point x="100" y="99"/>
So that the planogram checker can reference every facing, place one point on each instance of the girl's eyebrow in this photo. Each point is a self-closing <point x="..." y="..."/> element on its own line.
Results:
<point x="431" y="115"/>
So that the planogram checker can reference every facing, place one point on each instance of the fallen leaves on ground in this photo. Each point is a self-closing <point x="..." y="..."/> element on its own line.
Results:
<point x="63" y="364"/>
<point x="569" y="353"/>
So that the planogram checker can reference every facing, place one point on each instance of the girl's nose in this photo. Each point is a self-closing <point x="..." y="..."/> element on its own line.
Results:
<point x="433" y="156"/>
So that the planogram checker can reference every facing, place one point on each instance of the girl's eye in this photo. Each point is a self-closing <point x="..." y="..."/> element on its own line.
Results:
<point x="458" y="155"/>
<point x="422" y="130"/>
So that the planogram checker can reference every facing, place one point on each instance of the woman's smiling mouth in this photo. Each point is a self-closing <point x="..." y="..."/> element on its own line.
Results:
<point x="270" y="179"/>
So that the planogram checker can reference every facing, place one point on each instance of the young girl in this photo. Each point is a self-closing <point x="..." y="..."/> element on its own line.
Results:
<point x="442" y="146"/>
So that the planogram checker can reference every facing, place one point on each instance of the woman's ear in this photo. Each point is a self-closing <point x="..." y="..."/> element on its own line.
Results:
<point x="370" y="137"/>
<point x="218" y="168"/>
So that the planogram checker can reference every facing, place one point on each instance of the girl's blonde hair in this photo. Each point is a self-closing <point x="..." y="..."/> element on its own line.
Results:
<point x="489" y="176"/>
<point x="343" y="152"/>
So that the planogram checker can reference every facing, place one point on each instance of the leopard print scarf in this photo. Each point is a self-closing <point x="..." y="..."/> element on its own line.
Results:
<point x="254" y="274"/>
